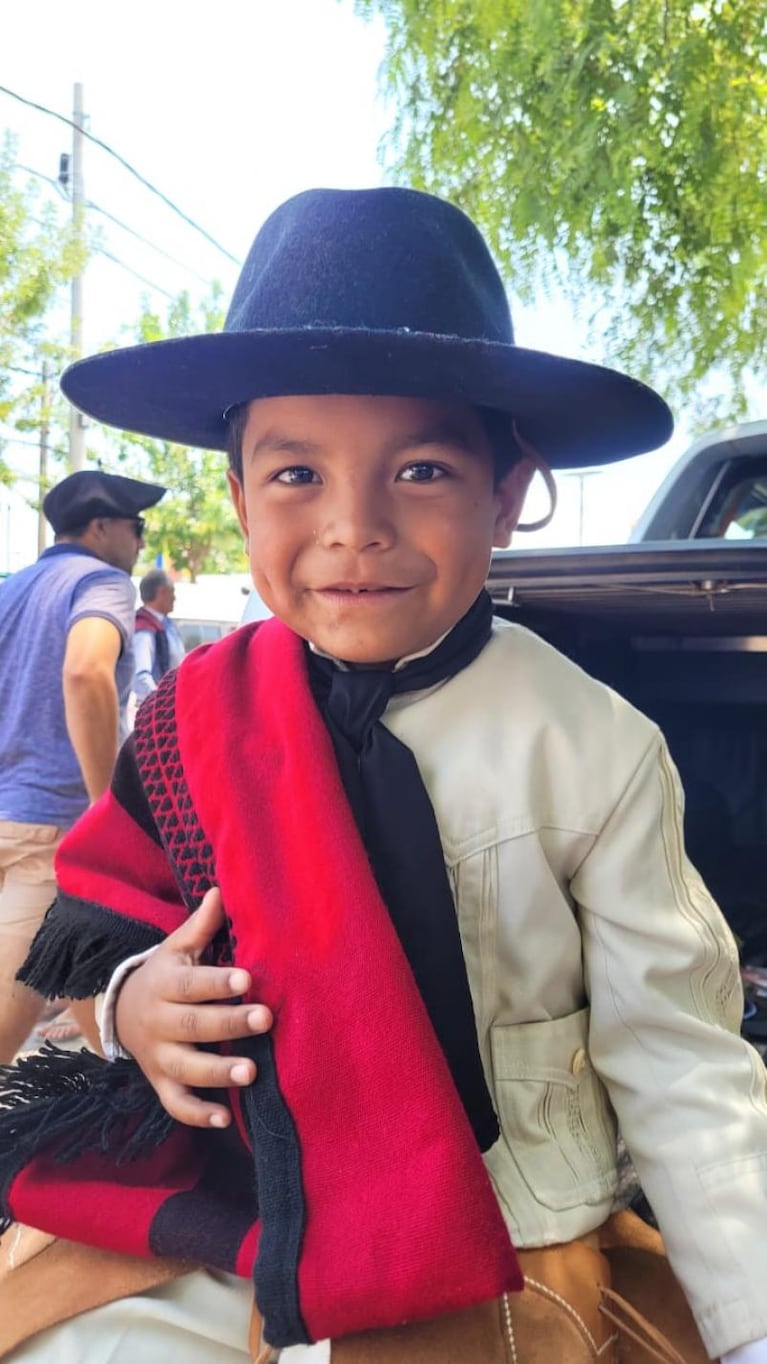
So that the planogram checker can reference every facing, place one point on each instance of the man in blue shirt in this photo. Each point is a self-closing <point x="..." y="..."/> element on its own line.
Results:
<point x="66" y="668"/>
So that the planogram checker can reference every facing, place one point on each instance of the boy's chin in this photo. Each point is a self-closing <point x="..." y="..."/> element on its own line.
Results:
<point x="379" y="652"/>
<point x="370" y="633"/>
<point x="363" y="658"/>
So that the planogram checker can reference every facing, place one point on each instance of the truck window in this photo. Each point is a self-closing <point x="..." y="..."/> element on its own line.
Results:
<point x="738" y="507"/>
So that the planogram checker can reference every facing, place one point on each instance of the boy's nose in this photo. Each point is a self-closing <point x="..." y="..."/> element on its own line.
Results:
<point x="359" y="520"/>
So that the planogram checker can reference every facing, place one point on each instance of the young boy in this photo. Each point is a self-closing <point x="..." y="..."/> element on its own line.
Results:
<point x="442" y="903"/>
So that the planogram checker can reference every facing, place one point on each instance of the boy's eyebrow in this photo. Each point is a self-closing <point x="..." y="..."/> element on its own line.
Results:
<point x="277" y="442"/>
<point x="440" y="432"/>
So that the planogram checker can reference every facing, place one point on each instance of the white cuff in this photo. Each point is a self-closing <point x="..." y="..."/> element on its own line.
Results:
<point x="753" y="1353"/>
<point x="106" y="1006"/>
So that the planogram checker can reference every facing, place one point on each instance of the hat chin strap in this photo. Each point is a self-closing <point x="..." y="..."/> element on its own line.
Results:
<point x="530" y="452"/>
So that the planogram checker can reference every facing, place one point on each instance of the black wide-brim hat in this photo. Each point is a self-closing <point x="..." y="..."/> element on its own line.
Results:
<point x="382" y="292"/>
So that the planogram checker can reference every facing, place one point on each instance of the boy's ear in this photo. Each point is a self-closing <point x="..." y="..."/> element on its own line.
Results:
<point x="510" y="496"/>
<point x="238" y="498"/>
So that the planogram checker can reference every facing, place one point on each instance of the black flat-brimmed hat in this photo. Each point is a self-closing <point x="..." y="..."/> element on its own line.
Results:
<point x="89" y="493"/>
<point x="381" y="291"/>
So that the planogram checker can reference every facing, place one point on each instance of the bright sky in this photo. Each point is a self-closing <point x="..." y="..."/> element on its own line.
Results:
<point x="228" y="109"/>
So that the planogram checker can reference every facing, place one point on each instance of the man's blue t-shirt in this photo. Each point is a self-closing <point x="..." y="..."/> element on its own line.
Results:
<point x="40" y="778"/>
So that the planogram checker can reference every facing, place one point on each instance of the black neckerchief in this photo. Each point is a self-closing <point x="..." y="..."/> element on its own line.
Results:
<point x="399" y="829"/>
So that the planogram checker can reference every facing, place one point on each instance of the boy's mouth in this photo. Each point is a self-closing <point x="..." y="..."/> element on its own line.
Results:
<point x="360" y="589"/>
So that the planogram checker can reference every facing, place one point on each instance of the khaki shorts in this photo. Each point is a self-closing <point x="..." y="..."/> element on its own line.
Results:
<point x="27" y="888"/>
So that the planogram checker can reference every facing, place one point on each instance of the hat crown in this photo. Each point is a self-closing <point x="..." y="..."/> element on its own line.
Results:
<point x="379" y="260"/>
<point x="379" y="291"/>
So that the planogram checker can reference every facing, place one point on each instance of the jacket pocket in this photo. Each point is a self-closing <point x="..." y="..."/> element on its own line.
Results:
<point x="554" y="1111"/>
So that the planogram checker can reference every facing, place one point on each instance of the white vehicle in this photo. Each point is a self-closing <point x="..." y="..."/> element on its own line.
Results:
<point x="213" y="606"/>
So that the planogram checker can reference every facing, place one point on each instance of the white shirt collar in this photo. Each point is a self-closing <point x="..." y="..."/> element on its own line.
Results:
<point x="408" y="658"/>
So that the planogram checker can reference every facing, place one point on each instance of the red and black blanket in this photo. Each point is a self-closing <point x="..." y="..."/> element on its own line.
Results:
<point x="350" y="1185"/>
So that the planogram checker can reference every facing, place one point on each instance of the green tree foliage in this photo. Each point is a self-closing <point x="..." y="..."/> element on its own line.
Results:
<point x="38" y="255"/>
<point x="194" y="526"/>
<point x="614" y="148"/>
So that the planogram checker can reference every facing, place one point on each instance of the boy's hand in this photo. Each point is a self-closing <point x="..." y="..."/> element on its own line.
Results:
<point x="163" y="1010"/>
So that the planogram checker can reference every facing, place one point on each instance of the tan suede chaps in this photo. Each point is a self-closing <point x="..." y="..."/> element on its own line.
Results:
<point x="610" y="1298"/>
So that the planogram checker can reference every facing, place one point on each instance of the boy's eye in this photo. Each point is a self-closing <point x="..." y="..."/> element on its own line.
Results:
<point x="297" y="473"/>
<point x="422" y="472"/>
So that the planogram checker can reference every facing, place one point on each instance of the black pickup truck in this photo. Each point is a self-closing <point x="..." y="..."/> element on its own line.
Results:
<point x="678" y="625"/>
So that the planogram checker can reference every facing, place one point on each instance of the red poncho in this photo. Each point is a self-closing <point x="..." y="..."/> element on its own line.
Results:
<point x="350" y="1186"/>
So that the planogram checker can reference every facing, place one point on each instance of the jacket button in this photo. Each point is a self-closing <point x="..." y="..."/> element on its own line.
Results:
<point x="579" y="1061"/>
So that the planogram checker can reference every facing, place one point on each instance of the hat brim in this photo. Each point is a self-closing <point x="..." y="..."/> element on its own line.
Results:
<point x="575" y="413"/>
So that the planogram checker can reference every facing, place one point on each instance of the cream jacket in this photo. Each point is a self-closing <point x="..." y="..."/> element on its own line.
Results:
<point x="605" y="981"/>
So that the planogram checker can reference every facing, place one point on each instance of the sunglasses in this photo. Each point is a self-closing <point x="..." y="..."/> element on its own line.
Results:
<point x="137" y="523"/>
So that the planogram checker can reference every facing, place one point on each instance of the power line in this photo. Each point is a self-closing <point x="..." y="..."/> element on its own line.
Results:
<point x="7" y="440"/>
<point x="30" y="170"/>
<point x="139" y="237"/>
<point x="19" y="440"/>
<point x="97" y="208"/>
<point x="52" y="113"/>
<point x="101" y="251"/>
<point x="19" y="369"/>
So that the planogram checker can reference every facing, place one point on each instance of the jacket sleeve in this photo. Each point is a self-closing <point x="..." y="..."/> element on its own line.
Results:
<point x="661" y="970"/>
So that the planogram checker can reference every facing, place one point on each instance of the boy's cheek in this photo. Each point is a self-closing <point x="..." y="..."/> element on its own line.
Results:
<point x="237" y="494"/>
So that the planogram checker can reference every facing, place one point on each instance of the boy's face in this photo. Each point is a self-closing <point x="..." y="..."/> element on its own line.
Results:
<point x="370" y="521"/>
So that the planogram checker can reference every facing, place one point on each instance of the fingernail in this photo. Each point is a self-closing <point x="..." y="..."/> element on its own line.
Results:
<point x="238" y="982"/>
<point x="240" y="1074"/>
<point x="257" y="1020"/>
<point x="219" y="1119"/>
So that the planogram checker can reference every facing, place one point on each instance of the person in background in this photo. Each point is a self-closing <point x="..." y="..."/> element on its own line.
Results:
<point x="157" y="644"/>
<point x="66" y="667"/>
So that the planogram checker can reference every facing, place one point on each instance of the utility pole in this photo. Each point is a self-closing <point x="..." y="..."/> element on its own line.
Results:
<point x="76" y="424"/>
<point x="45" y="400"/>
<point x="581" y="475"/>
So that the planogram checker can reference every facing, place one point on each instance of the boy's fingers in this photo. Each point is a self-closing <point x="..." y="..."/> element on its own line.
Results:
<point x="187" y="984"/>
<point x="194" y="935"/>
<point x="185" y="1067"/>
<point x="187" y="1108"/>
<point x="214" y="1022"/>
